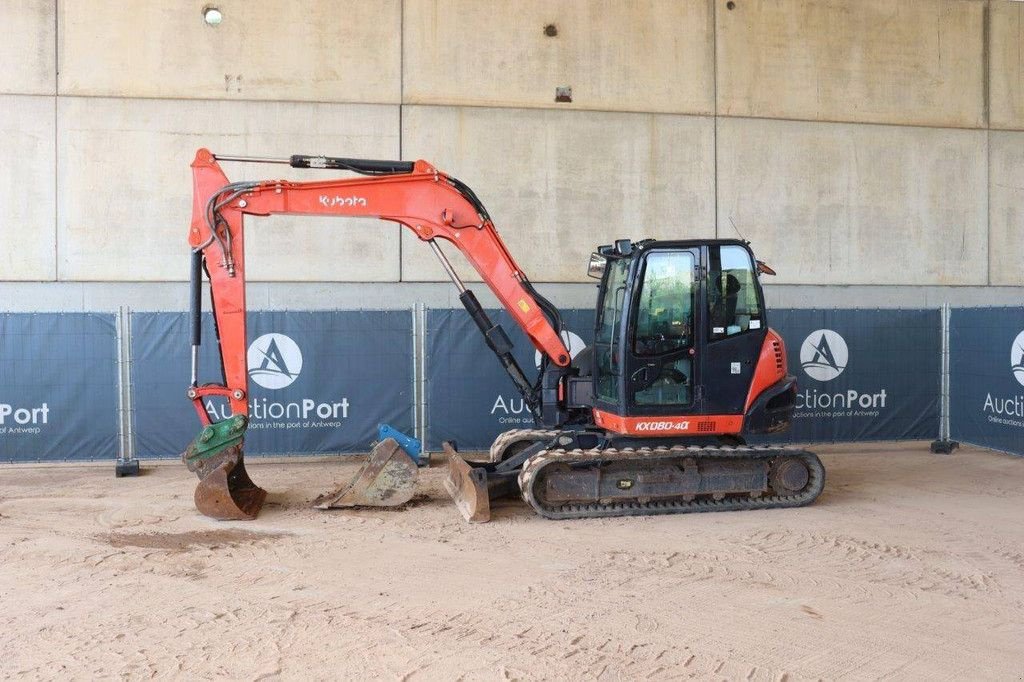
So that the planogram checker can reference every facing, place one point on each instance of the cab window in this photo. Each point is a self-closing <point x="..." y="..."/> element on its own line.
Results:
<point x="733" y="303"/>
<point x="606" y="341"/>
<point x="664" y="327"/>
<point x="664" y="321"/>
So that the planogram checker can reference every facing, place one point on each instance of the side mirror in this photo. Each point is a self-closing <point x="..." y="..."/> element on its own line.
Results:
<point x="596" y="266"/>
<point x="763" y="269"/>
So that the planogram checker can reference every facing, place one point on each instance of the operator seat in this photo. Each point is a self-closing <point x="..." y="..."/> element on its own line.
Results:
<point x="725" y="299"/>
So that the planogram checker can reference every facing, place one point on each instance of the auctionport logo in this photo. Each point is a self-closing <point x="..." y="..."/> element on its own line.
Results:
<point x="274" y="361"/>
<point x="824" y="355"/>
<point x="1009" y="411"/>
<point x="1017" y="358"/>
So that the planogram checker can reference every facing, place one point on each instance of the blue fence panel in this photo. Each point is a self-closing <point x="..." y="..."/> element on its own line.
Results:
<point x="863" y="374"/>
<point x="58" y="387"/>
<point x="470" y="398"/>
<point x="986" y="377"/>
<point x="319" y="381"/>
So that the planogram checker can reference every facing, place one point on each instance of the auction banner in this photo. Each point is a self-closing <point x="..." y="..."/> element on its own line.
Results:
<point x="986" y="377"/>
<point x="58" y="387"/>
<point x="862" y="374"/>
<point x="319" y="382"/>
<point x="470" y="397"/>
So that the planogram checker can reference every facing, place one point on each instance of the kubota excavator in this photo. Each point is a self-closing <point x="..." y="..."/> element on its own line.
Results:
<point x="651" y="419"/>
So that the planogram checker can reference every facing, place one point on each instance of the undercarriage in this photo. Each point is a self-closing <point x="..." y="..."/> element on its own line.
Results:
<point x="561" y="481"/>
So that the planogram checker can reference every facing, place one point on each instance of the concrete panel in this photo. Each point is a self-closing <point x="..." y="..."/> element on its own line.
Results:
<point x="1006" y="65"/>
<point x="317" y="50"/>
<point x="855" y="204"/>
<point x="27" y="195"/>
<point x="871" y="296"/>
<point x="916" y="62"/>
<point x="653" y="55"/>
<point x="27" y="50"/>
<point x="1006" y="206"/>
<point x="126" y="188"/>
<point x="558" y="184"/>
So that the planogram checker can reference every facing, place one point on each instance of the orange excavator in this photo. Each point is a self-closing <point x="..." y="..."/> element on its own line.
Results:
<point x="651" y="419"/>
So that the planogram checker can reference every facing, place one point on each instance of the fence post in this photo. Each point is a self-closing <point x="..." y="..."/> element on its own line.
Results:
<point x="126" y="464"/>
<point x="419" y="330"/>
<point x="944" y="445"/>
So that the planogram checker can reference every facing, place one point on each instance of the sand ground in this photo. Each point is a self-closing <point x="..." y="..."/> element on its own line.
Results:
<point x="909" y="566"/>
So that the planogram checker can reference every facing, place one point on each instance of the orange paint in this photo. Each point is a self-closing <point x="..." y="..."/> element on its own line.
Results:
<point x="771" y="367"/>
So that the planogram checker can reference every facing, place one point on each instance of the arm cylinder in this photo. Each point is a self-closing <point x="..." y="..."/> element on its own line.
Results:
<point x="196" y="298"/>
<point x="195" y="310"/>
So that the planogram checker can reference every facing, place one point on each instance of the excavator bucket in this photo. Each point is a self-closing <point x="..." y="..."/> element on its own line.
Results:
<point x="225" y="491"/>
<point x="387" y="479"/>
<point x="468" y="487"/>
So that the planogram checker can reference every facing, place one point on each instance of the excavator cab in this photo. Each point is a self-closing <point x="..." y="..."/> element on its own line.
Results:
<point x="679" y="332"/>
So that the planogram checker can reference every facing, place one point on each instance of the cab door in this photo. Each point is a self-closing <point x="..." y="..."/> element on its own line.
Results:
<point x="734" y="330"/>
<point x="661" y="368"/>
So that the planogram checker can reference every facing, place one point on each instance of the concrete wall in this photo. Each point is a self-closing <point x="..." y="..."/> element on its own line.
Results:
<point x="872" y="150"/>
<point x="27" y="51"/>
<point x="1006" y="207"/>
<point x="641" y="175"/>
<point x="873" y="204"/>
<point x="313" y="51"/>
<point x="648" y="56"/>
<point x="126" y="186"/>
<point x="912" y="62"/>
<point x="27" y="188"/>
<point x="1006" y="64"/>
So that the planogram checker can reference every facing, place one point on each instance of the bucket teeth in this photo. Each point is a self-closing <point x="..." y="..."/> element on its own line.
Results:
<point x="387" y="479"/>
<point x="468" y="488"/>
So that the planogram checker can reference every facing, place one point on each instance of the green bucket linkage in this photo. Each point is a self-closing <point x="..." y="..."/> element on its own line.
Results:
<point x="225" y="490"/>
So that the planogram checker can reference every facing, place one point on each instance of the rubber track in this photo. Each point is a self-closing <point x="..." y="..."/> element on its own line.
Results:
<point x="530" y="475"/>
<point x="506" y="439"/>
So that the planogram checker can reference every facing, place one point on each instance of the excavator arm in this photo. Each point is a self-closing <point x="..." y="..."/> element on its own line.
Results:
<point x="413" y="194"/>
<point x="416" y="195"/>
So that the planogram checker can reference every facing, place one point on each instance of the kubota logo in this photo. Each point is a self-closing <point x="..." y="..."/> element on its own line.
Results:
<point x="1017" y="358"/>
<point x="824" y="354"/>
<point x="274" y="361"/>
<point x="663" y="426"/>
